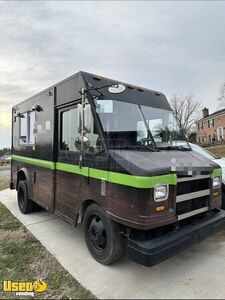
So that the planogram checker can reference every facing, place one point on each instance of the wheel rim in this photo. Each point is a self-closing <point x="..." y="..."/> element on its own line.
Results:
<point x="97" y="233"/>
<point x="21" y="198"/>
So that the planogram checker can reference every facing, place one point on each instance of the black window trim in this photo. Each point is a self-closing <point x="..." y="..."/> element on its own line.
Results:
<point x="27" y="144"/>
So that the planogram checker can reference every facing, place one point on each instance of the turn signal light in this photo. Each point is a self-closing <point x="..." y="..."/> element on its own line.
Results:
<point x="215" y="194"/>
<point x="160" y="208"/>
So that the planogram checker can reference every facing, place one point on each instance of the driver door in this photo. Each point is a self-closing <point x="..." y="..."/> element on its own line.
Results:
<point x="68" y="174"/>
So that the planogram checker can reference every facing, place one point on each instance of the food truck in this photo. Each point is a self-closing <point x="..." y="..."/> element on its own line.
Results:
<point x="112" y="156"/>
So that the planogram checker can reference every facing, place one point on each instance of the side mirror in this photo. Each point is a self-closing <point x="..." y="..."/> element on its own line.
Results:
<point x="80" y="116"/>
<point x="88" y="119"/>
<point x="78" y="142"/>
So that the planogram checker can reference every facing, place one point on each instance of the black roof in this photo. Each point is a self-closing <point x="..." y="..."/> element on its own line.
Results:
<point x="133" y="93"/>
<point x="218" y="112"/>
<point x="71" y="86"/>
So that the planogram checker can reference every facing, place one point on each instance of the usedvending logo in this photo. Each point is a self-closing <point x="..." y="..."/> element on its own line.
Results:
<point x="24" y="288"/>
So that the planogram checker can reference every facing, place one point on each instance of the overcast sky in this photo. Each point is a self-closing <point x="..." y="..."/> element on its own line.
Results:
<point x="174" y="47"/>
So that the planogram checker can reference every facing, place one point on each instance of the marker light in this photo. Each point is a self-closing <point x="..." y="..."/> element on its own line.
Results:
<point x="160" y="208"/>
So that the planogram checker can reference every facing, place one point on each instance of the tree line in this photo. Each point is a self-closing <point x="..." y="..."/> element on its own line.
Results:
<point x="187" y="110"/>
<point x="5" y="151"/>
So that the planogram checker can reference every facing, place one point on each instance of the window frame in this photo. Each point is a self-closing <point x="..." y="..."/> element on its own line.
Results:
<point x="61" y="112"/>
<point x="28" y="126"/>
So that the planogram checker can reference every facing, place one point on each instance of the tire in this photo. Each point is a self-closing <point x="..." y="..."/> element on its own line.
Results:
<point x="26" y="205"/>
<point x="102" y="236"/>
<point x="223" y="199"/>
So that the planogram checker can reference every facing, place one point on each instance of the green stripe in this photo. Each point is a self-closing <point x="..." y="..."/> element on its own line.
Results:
<point x="114" y="177"/>
<point x="34" y="161"/>
<point x="142" y="181"/>
<point x="216" y="172"/>
<point x="72" y="169"/>
<point x="120" y="178"/>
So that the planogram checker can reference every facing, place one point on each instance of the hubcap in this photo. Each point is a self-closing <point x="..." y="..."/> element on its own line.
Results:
<point x="97" y="233"/>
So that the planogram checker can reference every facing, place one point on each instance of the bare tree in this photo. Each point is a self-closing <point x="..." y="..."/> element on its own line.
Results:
<point x="186" y="110"/>
<point x="221" y="97"/>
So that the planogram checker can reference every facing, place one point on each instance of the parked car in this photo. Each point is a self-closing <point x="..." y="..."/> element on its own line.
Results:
<point x="219" y="160"/>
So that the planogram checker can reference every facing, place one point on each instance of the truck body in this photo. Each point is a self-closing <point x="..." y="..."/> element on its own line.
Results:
<point x="112" y="156"/>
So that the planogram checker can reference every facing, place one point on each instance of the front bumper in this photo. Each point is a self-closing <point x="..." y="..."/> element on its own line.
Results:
<point x="153" y="251"/>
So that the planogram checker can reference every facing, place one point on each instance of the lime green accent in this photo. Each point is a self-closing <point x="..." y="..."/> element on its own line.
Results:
<point x="72" y="169"/>
<point x="119" y="178"/>
<point x="114" y="177"/>
<point x="142" y="181"/>
<point x="36" y="162"/>
<point x="216" y="172"/>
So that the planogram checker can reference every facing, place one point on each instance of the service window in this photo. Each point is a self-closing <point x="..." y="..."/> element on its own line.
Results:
<point x="23" y="129"/>
<point x="27" y="125"/>
<point x="31" y="127"/>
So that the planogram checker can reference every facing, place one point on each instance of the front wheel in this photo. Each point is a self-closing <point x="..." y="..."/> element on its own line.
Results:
<point x="223" y="199"/>
<point x="102" y="235"/>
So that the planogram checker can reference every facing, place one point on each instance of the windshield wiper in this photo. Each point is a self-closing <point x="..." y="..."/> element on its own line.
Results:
<point x="134" y="147"/>
<point x="150" y="137"/>
<point x="175" y="148"/>
<point x="122" y="148"/>
<point x="148" y="147"/>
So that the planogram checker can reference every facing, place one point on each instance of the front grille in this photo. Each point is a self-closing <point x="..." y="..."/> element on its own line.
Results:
<point x="193" y="196"/>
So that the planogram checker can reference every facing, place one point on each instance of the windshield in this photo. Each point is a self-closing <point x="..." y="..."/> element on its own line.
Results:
<point x="129" y="124"/>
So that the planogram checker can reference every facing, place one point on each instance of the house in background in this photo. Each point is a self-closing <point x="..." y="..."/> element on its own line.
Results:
<point x="211" y="128"/>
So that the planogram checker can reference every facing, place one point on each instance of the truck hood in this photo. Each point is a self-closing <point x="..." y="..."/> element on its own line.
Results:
<point x="145" y="163"/>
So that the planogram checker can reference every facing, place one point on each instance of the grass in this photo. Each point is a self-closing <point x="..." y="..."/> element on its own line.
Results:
<point x="23" y="258"/>
<point x="4" y="183"/>
<point x="4" y="168"/>
<point x="218" y="150"/>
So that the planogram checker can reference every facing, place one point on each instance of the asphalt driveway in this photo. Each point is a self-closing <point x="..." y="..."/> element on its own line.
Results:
<point x="198" y="272"/>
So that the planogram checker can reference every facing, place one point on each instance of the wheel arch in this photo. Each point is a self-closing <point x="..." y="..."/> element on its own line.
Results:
<point x="23" y="174"/>
<point x="82" y="209"/>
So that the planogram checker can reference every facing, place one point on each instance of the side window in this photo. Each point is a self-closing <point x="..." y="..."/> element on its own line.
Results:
<point x="27" y="124"/>
<point x="69" y="129"/>
<point x="31" y="125"/>
<point x="23" y="129"/>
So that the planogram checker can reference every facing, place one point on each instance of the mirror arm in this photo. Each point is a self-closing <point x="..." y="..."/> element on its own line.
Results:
<point x="82" y="127"/>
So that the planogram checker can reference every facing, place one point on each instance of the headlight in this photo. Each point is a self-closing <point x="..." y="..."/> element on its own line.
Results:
<point x="216" y="182"/>
<point x="161" y="192"/>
